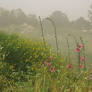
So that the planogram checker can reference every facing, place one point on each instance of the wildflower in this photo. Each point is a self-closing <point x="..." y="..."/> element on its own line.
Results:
<point x="80" y="46"/>
<point x="52" y="69"/>
<point x="51" y="58"/>
<point x="69" y="66"/>
<point x="49" y="64"/>
<point x="77" y="49"/>
<point x="81" y="66"/>
<point x="45" y="62"/>
<point x="82" y="58"/>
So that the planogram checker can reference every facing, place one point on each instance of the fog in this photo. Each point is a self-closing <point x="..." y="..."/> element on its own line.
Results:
<point x="73" y="8"/>
<point x="45" y="37"/>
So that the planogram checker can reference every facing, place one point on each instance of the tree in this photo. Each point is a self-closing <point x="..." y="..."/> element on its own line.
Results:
<point x="90" y="14"/>
<point x="4" y="17"/>
<point x="32" y="20"/>
<point x="16" y="17"/>
<point x="60" y="18"/>
<point x="81" y="23"/>
<point x="19" y="15"/>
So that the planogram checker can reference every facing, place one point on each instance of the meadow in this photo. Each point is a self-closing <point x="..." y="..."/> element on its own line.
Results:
<point x="45" y="57"/>
<point x="32" y="64"/>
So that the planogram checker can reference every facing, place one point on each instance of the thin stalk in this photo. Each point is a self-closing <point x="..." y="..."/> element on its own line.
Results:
<point x="79" y="60"/>
<point x="53" y="23"/>
<point x="78" y="57"/>
<point x="43" y="38"/>
<point x="83" y="52"/>
<point x="79" y="52"/>
<point x="44" y="80"/>
<point x="68" y="50"/>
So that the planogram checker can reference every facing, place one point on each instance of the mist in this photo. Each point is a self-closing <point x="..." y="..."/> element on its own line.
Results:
<point x="73" y="8"/>
<point x="45" y="45"/>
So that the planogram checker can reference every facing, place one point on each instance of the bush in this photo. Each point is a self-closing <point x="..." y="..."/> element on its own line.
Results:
<point x="20" y="57"/>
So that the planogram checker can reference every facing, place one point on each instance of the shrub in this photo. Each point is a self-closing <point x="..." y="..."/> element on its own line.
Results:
<point x="21" y="56"/>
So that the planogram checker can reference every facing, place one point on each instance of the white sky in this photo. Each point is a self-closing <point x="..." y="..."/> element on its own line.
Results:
<point x="73" y="8"/>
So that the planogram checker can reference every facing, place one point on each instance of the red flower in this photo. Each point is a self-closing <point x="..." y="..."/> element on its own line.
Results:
<point x="52" y="69"/>
<point x="80" y="46"/>
<point x="51" y="59"/>
<point x="77" y="49"/>
<point x="49" y="64"/>
<point x="82" y="58"/>
<point x="81" y="66"/>
<point x="69" y="66"/>
<point x="45" y="62"/>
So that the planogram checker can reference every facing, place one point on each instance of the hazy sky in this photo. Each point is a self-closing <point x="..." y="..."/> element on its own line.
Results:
<point x="73" y="8"/>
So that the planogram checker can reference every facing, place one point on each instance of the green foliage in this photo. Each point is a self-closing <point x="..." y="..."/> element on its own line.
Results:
<point x="61" y="80"/>
<point x="22" y="68"/>
<point x="20" y="57"/>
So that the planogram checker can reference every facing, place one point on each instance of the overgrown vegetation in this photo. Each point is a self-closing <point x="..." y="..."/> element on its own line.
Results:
<point x="20" y="57"/>
<point x="32" y="65"/>
<point x="26" y="63"/>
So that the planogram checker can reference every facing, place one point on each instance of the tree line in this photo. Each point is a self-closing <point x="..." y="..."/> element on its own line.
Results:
<point x="18" y="17"/>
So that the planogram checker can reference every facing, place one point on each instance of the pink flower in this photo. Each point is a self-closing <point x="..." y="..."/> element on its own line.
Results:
<point x="77" y="49"/>
<point x="69" y="66"/>
<point x="80" y="46"/>
<point x="52" y="69"/>
<point x="82" y="58"/>
<point x="45" y="62"/>
<point x="81" y="66"/>
<point x="51" y="59"/>
<point x="49" y="64"/>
